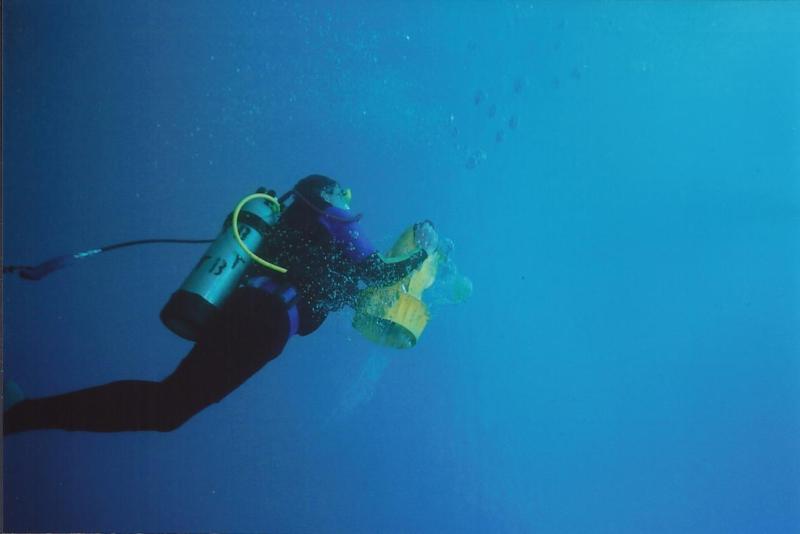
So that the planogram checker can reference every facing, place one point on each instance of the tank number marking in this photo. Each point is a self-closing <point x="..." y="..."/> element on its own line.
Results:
<point x="202" y="261"/>
<point x="219" y="265"/>
<point x="237" y="261"/>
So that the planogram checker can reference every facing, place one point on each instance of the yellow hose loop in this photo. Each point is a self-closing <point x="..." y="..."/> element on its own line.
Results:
<point x="276" y="207"/>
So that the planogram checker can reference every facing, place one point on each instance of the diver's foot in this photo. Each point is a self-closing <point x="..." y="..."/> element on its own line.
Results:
<point x="12" y="394"/>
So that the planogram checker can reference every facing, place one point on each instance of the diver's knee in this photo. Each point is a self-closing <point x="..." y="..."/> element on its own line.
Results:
<point x="168" y="425"/>
<point x="175" y="408"/>
<point x="171" y="419"/>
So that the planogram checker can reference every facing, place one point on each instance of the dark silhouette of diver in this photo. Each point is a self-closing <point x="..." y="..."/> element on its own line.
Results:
<point x="327" y="260"/>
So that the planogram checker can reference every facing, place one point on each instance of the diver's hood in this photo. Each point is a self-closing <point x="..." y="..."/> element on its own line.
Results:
<point x="309" y="192"/>
<point x="311" y="187"/>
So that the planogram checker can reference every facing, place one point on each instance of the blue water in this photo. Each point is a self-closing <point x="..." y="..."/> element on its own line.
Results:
<point x="624" y="197"/>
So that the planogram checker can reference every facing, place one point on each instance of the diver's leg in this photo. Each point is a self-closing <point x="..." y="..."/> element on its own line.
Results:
<point x="251" y="330"/>
<point x="113" y="407"/>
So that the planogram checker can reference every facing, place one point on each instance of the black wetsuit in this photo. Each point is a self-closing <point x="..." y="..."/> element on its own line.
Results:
<point x="251" y="329"/>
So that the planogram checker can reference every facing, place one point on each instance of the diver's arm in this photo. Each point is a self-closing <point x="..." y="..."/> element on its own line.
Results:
<point x="375" y="270"/>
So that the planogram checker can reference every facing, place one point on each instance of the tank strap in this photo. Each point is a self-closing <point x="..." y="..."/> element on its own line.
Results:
<point x="286" y="292"/>
<point x="250" y="219"/>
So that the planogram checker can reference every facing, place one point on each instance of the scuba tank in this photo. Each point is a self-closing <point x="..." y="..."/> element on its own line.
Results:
<point x="222" y="266"/>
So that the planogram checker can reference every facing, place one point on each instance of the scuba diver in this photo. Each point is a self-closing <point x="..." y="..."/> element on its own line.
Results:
<point x="326" y="261"/>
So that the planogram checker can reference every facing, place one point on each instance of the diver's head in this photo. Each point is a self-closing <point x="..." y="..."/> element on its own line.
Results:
<point x="322" y="192"/>
<point x="338" y="196"/>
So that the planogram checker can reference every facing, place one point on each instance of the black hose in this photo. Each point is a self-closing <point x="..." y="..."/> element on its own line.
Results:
<point x="149" y="241"/>
<point x="37" y="272"/>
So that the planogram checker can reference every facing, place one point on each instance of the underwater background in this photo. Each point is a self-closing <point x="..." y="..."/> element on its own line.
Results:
<point x="620" y="181"/>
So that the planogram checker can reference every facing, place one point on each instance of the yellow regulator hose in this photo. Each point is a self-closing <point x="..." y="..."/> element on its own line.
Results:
<point x="276" y="207"/>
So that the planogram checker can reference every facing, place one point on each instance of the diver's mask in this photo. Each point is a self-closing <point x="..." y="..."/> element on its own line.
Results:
<point x="338" y="196"/>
